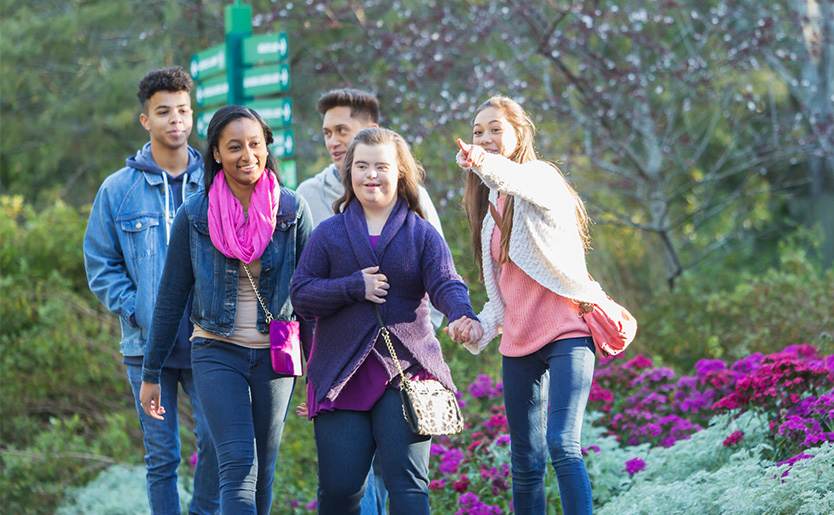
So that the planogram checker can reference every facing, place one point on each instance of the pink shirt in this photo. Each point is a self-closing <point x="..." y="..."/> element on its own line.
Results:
<point x="534" y="316"/>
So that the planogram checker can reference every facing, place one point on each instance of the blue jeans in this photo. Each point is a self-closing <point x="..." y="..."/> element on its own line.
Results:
<point x="560" y="372"/>
<point x="376" y="495"/>
<point x="345" y="444"/>
<point x="245" y="404"/>
<point x="162" y="446"/>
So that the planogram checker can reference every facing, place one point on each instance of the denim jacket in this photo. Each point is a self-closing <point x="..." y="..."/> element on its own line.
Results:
<point x="193" y="261"/>
<point x="125" y="245"/>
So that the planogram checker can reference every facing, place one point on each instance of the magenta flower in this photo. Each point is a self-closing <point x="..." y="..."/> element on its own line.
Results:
<point x="437" y="484"/>
<point x="634" y="466"/>
<point x="482" y="387"/>
<point x="450" y="461"/>
<point x="311" y="506"/>
<point x="194" y="460"/>
<point x="736" y="437"/>
<point x="461" y="485"/>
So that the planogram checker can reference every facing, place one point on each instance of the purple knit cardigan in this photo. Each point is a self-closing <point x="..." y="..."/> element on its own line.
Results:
<point x="328" y="287"/>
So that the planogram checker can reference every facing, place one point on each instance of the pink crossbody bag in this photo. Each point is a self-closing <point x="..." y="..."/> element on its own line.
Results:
<point x="284" y="339"/>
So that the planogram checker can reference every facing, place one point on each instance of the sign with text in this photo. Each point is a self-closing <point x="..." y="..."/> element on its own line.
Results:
<point x="283" y="145"/>
<point x="266" y="80"/>
<point x="203" y="120"/>
<point x="208" y="62"/>
<point x="212" y="91"/>
<point x="277" y="112"/>
<point x="288" y="174"/>
<point x="265" y="49"/>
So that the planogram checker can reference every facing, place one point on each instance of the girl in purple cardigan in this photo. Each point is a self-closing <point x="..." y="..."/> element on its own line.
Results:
<point x="377" y="250"/>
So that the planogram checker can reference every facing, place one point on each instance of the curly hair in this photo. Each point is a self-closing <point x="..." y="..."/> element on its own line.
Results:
<point x="172" y="79"/>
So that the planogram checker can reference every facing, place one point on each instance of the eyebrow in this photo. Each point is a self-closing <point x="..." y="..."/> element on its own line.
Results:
<point x="168" y="107"/>
<point x="377" y="163"/>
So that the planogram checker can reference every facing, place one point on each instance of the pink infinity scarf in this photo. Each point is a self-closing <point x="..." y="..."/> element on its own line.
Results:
<point x="230" y="231"/>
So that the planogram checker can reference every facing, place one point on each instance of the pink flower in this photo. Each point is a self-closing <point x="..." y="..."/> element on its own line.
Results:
<point x="437" y="484"/>
<point x="634" y="466"/>
<point x="462" y="485"/>
<point x="736" y="437"/>
<point x="194" y="460"/>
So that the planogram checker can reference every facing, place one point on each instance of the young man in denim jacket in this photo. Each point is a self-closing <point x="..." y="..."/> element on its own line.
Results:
<point x="124" y="252"/>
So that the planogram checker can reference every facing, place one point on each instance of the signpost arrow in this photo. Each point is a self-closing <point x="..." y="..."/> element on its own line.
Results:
<point x="266" y="80"/>
<point x="212" y="91"/>
<point x="283" y="145"/>
<point x="277" y="112"/>
<point x="208" y="62"/>
<point x="264" y="49"/>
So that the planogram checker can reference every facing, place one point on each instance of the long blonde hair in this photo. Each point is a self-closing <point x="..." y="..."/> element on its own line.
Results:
<point x="410" y="175"/>
<point x="476" y="193"/>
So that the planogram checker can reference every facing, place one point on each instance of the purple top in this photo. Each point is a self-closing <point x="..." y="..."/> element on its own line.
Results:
<point x="328" y="287"/>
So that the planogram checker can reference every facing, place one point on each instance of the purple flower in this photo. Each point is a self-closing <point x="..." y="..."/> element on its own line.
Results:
<point x="749" y="364"/>
<point x="594" y="448"/>
<point x="311" y="506"/>
<point x="482" y="387"/>
<point x="472" y="505"/>
<point x="450" y="461"/>
<point x="634" y="466"/>
<point x="437" y="449"/>
<point x="705" y="366"/>
<point x="502" y="440"/>
<point x="194" y="460"/>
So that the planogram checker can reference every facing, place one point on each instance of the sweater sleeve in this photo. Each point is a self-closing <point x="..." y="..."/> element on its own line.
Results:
<point x="537" y="182"/>
<point x="445" y="287"/>
<point x="313" y="292"/>
<point x="178" y="278"/>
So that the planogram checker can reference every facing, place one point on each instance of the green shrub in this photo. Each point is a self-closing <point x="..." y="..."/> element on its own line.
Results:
<point x="762" y="312"/>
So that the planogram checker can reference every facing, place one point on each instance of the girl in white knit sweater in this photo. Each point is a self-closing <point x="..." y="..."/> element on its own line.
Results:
<point x="530" y="230"/>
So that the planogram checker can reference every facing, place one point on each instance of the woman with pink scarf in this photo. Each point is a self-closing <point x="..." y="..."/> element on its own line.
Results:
<point x="245" y="222"/>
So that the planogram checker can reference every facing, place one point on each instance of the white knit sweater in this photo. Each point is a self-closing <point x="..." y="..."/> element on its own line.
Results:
<point x="544" y="240"/>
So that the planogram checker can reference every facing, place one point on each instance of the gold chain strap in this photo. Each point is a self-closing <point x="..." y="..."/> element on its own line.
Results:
<point x="257" y="293"/>
<point x="404" y="382"/>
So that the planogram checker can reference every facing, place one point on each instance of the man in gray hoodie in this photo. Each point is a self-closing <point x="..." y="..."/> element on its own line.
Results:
<point x="125" y="245"/>
<point x="345" y="112"/>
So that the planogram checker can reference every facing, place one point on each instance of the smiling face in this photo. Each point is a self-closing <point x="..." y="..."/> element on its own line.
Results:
<point x="242" y="153"/>
<point x="168" y="118"/>
<point x="494" y="132"/>
<point x="339" y="129"/>
<point x="374" y="176"/>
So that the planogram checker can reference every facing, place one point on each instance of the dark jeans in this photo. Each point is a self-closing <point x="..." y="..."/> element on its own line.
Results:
<point x="345" y="444"/>
<point x="561" y="373"/>
<point x="162" y="446"/>
<point x="245" y="404"/>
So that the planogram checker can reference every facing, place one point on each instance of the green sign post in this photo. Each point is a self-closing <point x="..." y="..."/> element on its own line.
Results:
<point x="248" y="70"/>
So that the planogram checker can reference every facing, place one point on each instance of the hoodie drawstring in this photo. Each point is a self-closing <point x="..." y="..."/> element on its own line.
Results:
<point x="169" y="216"/>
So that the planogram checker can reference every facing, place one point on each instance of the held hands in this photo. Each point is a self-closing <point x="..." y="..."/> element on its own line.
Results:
<point x="470" y="155"/>
<point x="376" y="285"/>
<point x="301" y="410"/>
<point x="150" y="395"/>
<point x="464" y="330"/>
